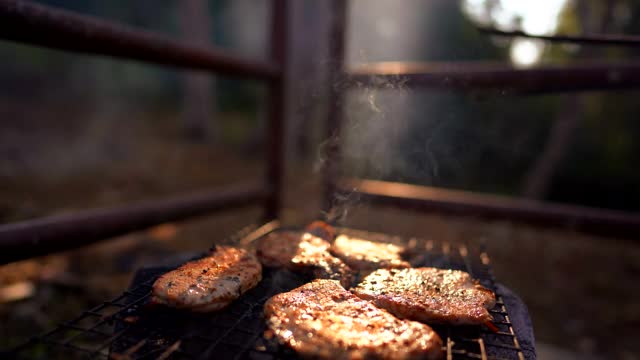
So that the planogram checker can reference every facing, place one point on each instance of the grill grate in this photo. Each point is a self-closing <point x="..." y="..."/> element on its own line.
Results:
<point x="125" y="329"/>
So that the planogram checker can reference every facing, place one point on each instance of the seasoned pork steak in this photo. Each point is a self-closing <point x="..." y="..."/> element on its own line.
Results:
<point x="323" y="320"/>
<point x="302" y="251"/>
<point x="313" y="253"/>
<point x="278" y="248"/>
<point x="210" y="283"/>
<point x="429" y="295"/>
<point x="365" y="255"/>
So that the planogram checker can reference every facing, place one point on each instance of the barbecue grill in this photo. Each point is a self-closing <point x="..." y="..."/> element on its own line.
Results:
<point x="125" y="328"/>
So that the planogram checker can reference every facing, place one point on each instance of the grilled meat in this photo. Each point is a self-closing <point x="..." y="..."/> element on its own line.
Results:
<point x="322" y="230"/>
<point x="313" y="253"/>
<point x="278" y="248"/>
<point x="323" y="320"/>
<point x="303" y="252"/>
<point x="210" y="283"/>
<point x="366" y="255"/>
<point x="429" y="295"/>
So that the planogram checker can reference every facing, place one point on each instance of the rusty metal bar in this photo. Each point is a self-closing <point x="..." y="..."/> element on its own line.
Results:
<point x="336" y="96"/>
<point x="277" y="98"/>
<point x="471" y="76"/>
<point x="57" y="233"/>
<point x="591" y="39"/>
<point x="28" y="22"/>
<point x="429" y="199"/>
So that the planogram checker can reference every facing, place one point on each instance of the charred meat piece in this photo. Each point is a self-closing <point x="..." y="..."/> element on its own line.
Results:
<point x="303" y="252"/>
<point x="429" y="295"/>
<point x="323" y="320"/>
<point x="362" y="254"/>
<point x="322" y="230"/>
<point x="278" y="248"/>
<point x="210" y="283"/>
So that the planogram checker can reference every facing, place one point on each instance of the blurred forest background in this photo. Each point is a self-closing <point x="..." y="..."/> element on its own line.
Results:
<point x="554" y="147"/>
<point x="84" y="132"/>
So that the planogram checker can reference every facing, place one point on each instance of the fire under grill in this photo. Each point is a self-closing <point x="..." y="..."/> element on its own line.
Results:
<point x="124" y="328"/>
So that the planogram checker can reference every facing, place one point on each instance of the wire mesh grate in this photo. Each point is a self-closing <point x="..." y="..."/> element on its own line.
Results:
<point x="125" y="328"/>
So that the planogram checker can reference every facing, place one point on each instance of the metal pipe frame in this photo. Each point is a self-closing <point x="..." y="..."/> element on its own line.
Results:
<point x="336" y="94"/>
<point x="276" y="123"/>
<point x="591" y="39"/>
<point x="41" y="25"/>
<point x="472" y="76"/>
<point x="47" y="235"/>
<point x="453" y="202"/>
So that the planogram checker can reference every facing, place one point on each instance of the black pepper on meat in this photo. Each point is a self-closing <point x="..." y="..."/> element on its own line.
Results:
<point x="364" y="255"/>
<point x="210" y="283"/>
<point x="303" y="252"/>
<point x="429" y="295"/>
<point x="323" y="320"/>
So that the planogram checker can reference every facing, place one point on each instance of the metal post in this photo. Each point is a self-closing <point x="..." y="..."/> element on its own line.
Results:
<point x="276" y="121"/>
<point x="336" y="95"/>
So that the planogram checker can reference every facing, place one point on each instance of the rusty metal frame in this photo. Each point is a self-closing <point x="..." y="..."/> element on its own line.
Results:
<point x="41" y="25"/>
<point x="590" y="39"/>
<point x="468" y="77"/>
<point x="478" y="76"/>
<point x="62" y="232"/>
<point x="277" y="103"/>
<point x="483" y="206"/>
<point x="336" y="93"/>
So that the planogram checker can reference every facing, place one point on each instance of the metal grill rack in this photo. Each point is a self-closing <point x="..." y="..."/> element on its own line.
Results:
<point x="125" y="328"/>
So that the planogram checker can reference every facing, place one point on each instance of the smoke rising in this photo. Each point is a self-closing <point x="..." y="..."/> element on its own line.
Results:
<point x="374" y="123"/>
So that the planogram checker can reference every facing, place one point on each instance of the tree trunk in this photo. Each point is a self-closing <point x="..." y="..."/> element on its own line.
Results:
<point x="539" y="178"/>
